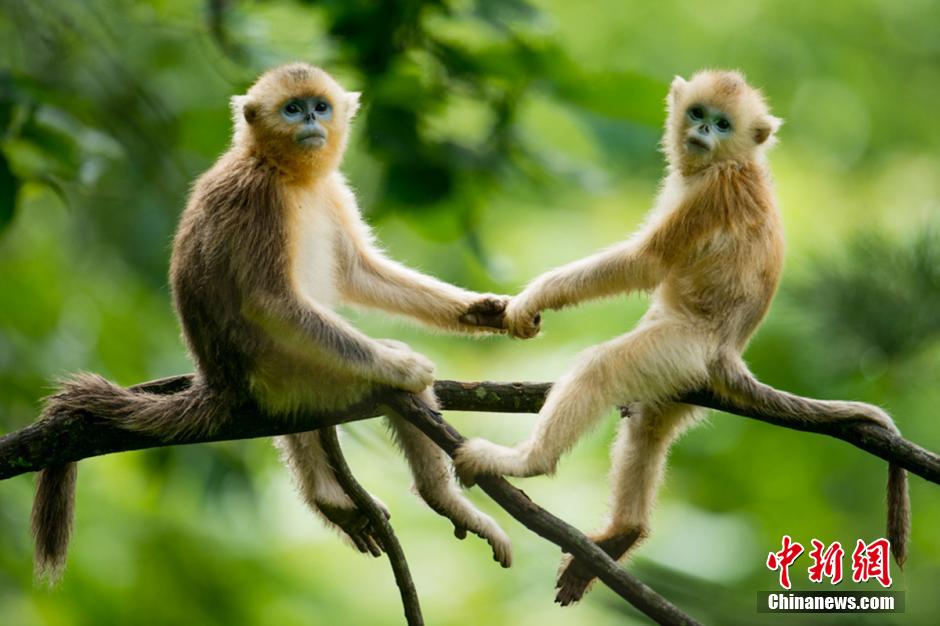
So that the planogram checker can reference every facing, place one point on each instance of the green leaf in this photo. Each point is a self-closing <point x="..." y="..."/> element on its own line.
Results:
<point x="59" y="147"/>
<point x="9" y="187"/>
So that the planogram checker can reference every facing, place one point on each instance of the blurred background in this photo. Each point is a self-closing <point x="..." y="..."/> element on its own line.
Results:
<point x="499" y="138"/>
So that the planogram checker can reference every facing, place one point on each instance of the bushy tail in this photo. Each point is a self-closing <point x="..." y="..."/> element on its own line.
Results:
<point x="732" y="381"/>
<point x="189" y="411"/>
<point x="51" y="521"/>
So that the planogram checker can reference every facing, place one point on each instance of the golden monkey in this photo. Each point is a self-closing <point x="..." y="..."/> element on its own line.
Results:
<point x="270" y="241"/>
<point x="711" y="252"/>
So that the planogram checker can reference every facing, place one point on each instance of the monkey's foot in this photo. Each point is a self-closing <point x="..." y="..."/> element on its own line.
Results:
<point x="574" y="579"/>
<point x="466" y="518"/>
<point x="476" y="457"/>
<point x="487" y="529"/>
<point x="356" y="525"/>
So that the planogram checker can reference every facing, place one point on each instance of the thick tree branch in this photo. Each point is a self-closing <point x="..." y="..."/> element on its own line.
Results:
<point x="528" y="398"/>
<point x="76" y="437"/>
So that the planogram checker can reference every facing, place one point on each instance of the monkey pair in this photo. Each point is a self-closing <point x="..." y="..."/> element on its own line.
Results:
<point x="272" y="239"/>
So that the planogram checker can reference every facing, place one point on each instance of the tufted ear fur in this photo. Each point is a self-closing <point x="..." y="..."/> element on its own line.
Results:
<point x="352" y="104"/>
<point x="766" y="128"/>
<point x="676" y="88"/>
<point x="237" y="104"/>
<point x="250" y="110"/>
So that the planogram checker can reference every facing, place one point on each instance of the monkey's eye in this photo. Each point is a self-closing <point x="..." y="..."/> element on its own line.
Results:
<point x="292" y="108"/>
<point x="723" y="125"/>
<point x="321" y="107"/>
<point x="697" y="113"/>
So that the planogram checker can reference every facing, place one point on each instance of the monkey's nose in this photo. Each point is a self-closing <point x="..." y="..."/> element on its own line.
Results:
<point x="703" y="129"/>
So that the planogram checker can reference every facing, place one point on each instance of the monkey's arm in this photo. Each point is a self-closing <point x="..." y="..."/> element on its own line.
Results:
<point x="370" y="278"/>
<point x="621" y="268"/>
<point x="302" y="327"/>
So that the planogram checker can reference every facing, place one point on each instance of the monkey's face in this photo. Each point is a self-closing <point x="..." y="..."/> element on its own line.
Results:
<point x="297" y="115"/>
<point x="716" y="116"/>
<point x="706" y="128"/>
<point x="308" y="117"/>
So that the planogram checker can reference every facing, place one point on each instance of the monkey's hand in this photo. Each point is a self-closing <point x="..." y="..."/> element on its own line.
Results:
<point x="487" y="312"/>
<point x="356" y="525"/>
<point x="400" y="366"/>
<point x="522" y="320"/>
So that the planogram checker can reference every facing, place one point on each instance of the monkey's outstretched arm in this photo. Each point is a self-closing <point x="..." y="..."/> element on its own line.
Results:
<point x="306" y="329"/>
<point x="621" y="268"/>
<point x="372" y="279"/>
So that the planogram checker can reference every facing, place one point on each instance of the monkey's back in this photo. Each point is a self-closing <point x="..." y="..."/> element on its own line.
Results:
<point x="726" y="271"/>
<point x="228" y="244"/>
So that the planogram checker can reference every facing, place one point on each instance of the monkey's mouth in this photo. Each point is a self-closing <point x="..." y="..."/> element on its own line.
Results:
<point x="312" y="139"/>
<point x="697" y="145"/>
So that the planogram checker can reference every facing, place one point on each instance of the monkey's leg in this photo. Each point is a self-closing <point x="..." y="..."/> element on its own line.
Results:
<point x="638" y="458"/>
<point x="653" y="362"/>
<point x="434" y="482"/>
<point x="320" y="490"/>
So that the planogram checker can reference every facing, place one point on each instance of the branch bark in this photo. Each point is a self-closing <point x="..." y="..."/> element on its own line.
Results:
<point x="76" y="437"/>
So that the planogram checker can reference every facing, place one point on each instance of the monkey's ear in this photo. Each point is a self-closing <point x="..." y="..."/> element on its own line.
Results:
<point x="237" y="104"/>
<point x="766" y="128"/>
<point x="352" y="104"/>
<point x="677" y="87"/>
<point x="251" y="111"/>
<point x="244" y="109"/>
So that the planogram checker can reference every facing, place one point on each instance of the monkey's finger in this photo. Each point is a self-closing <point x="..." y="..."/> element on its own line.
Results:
<point x="359" y="543"/>
<point x="460" y="532"/>
<point x="470" y="318"/>
<point x="488" y="320"/>
<point x="373" y="545"/>
<point x="489" y="306"/>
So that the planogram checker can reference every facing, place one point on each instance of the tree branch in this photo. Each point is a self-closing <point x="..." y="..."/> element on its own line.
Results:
<point x="75" y="437"/>
<point x="383" y="528"/>
<point x="543" y="523"/>
<point x="528" y="398"/>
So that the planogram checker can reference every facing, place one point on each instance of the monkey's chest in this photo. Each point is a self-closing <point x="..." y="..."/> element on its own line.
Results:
<point x="313" y="255"/>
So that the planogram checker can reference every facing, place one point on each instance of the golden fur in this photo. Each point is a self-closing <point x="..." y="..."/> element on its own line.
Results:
<point x="270" y="241"/>
<point x="711" y="251"/>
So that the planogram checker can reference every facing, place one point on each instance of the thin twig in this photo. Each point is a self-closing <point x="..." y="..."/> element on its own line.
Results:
<point x="381" y="525"/>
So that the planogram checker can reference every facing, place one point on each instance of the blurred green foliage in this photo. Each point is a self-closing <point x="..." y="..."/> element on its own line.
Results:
<point x="499" y="138"/>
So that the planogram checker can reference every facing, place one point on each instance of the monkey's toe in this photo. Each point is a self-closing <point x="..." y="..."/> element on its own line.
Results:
<point x="573" y="581"/>
<point x="499" y="543"/>
<point x="357" y="526"/>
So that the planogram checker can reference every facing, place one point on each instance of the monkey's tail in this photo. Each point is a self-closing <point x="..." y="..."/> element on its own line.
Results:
<point x="733" y="381"/>
<point x="51" y="520"/>
<point x="188" y="411"/>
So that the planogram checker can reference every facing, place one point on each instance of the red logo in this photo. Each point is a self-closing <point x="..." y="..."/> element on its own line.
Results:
<point x="869" y="560"/>
<point x="784" y="559"/>
<point x="826" y="563"/>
